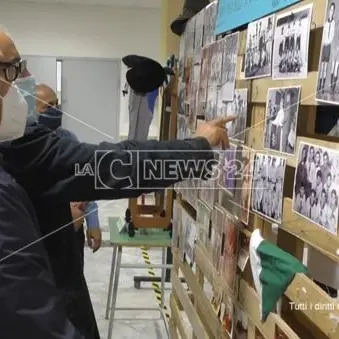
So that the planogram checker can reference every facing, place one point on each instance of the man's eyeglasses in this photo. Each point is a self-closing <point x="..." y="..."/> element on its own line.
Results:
<point x="13" y="69"/>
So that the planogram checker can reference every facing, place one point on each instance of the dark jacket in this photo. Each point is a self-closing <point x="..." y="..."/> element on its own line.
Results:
<point x="45" y="166"/>
<point x="31" y="305"/>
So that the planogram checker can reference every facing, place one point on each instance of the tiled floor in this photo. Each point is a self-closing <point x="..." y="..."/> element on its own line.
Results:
<point x="139" y="325"/>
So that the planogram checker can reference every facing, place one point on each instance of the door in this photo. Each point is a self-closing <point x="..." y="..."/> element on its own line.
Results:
<point x="90" y="98"/>
<point x="44" y="69"/>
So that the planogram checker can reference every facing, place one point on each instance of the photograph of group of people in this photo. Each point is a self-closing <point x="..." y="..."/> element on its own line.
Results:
<point x="282" y="106"/>
<point x="268" y="185"/>
<point x="291" y="41"/>
<point x="238" y="107"/>
<point x="316" y="186"/>
<point x="259" y="44"/>
<point x="328" y="71"/>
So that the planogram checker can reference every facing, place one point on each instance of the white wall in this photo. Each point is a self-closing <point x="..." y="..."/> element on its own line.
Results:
<point x="85" y="31"/>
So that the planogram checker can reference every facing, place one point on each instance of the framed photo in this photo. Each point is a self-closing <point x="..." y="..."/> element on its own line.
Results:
<point x="316" y="186"/>
<point x="230" y="251"/>
<point x="279" y="333"/>
<point x="268" y="185"/>
<point x="229" y="169"/>
<point x="237" y="128"/>
<point x="203" y="222"/>
<point x="259" y="46"/>
<point x="282" y="107"/>
<point x="246" y="183"/>
<point x="229" y="65"/>
<point x="328" y="70"/>
<point x="241" y="324"/>
<point x="291" y="41"/>
<point x="227" y="316"/>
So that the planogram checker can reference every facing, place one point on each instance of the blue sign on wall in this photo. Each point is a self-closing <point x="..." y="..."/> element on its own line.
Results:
<point x="235" y="13"/>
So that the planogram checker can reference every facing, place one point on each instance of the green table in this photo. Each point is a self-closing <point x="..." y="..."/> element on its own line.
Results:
<point x="155" y="238"/>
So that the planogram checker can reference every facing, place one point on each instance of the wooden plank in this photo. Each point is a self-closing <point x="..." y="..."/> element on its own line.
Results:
<point x="316" y="305"/>
<point x="248" y="298"/>
<point x="189" y="309"/>
<point x="201" y="299"/>
<point x="307" y="95"/>
<point x="177" y="318"/>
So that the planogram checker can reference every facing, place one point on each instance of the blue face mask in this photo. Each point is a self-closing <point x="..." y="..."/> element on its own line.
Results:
<point x="51" y="117"/>
<point x="27" y="89"/>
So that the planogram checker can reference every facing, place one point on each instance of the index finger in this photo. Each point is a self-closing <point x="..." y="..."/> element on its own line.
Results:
<point x="222" y="121"/>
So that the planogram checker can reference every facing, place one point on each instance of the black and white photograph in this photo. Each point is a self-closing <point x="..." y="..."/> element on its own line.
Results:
<point x="182" y="132"/>
<point x="259" y="47"/>
<point x="229" y="65"/>
<point x="199" y="32"/>
<point x="181" y="98"/>
<point x="221" y="104"/>
<point x="203" y="222"/>
<point x="211" y="104"/>
<point x="181" y="67"/>
<point x="281" y="118"/>
<point x="207" y="189"/>
<point x="209" y="23"/>
<point x="216" y="63"/>
<point x="189" y="37"/>
<point x="195" y="78"/>
<point x="268" y="185"/>
<point x="190" y="228"/>
<point x="203" y="83"/>
<point x="316" y="186"/>
<point x="328" y="70"/>
<point x="291" y="42"/>
<point x="238" y="107"/>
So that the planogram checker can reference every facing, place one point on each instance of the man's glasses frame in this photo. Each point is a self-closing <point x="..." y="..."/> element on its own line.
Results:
<point x="13" y="69"/>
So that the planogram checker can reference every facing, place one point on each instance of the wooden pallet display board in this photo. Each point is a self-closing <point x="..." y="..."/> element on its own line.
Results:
<point x="293" y="233"/>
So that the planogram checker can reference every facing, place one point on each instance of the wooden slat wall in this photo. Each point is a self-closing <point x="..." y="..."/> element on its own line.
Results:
<point x="294" y="232"/>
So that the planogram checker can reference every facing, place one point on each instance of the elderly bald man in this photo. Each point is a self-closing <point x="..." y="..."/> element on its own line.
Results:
<point x="44" y="165"/>
<point x="31" y="304"/>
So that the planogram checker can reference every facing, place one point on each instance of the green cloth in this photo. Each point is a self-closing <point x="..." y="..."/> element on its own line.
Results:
<point x="273" y="270"/>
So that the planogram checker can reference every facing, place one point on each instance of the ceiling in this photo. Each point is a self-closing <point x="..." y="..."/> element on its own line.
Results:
<point x="110" y="3"/>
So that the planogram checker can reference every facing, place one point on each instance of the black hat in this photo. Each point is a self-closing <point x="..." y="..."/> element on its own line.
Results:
<point x="146" y="76"/>
<point x="132" y="60"/>
<point x="191" y="7"/>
